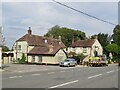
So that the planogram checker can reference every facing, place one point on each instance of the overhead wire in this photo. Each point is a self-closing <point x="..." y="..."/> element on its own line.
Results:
<point x="84" y="13"/>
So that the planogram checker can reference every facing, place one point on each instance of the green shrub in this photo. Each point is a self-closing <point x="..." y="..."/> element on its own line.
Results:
<point x="22" y="60"/>
<point x="79" y="58"/>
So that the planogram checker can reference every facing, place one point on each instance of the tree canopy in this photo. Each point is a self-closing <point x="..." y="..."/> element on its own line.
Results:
<point x="116" y="35"/>
<point x="5" y="48"/>
<point x="67" y="34"/>
<point x="114" y="48"/>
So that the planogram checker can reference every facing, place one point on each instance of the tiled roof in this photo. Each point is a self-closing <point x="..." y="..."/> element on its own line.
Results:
<point x="42" y="45"/>
<point x="36" y="40"/>
<point x="83" y="43"/>
<point x="44" y="50"/>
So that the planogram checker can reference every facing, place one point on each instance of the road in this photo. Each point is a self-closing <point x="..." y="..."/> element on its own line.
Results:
<point x="63" y="77"/>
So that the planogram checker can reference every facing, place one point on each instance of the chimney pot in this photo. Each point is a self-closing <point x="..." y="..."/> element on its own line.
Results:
<point x="29" y="28"/>
<point x="29" y="31"/>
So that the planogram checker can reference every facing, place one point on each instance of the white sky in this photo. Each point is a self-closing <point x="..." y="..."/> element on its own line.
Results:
<point x="18" y="16"/>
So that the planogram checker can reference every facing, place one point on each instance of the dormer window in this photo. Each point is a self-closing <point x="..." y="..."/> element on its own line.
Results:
<point x="59" y="43"/>
<point x="45" y="40"/>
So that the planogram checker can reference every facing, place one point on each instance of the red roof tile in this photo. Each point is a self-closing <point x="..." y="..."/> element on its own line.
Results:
<point x="42" y="50"/>
<point x="36" y="40"/>
<point x="83" y="43"/>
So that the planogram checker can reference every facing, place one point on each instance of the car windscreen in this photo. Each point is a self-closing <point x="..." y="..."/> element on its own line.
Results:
<point x="67" y="60"/>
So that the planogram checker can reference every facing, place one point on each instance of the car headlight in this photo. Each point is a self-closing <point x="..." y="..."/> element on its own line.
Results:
<point x="65" y="63"/>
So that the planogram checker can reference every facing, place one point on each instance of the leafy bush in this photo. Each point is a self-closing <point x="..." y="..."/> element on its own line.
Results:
<point x="79" y="58"/>
<point x="22" y="60"/>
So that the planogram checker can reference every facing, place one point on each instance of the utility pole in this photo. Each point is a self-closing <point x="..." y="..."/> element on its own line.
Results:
<point x="2" y="39"/>
<point x="2" y="42"/>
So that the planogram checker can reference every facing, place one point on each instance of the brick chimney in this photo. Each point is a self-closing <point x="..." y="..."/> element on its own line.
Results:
<point x="30" y="31"/>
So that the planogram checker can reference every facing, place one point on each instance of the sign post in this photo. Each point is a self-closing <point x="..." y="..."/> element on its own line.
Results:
<point x="110" y="56"/>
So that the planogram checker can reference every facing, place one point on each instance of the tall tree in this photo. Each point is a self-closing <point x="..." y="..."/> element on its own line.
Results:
<point x="115" y="50"/>
<point x="5" y="48"/>
<point x="116" y="35"/>
<point x="67" y="34"/>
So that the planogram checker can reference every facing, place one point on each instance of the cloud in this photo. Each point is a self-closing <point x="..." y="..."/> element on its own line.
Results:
<point x="17" y="17"/>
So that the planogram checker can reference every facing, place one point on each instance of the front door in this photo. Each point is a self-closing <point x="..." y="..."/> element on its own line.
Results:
<point x="95" y="53"/>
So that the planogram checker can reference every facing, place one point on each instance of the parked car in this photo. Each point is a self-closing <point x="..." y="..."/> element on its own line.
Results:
<point x="68" y="62"/>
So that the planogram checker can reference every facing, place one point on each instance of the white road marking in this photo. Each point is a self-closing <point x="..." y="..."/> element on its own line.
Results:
<point x="94" y="76"/>
<point x="20" y="76"/>
<point x="62" y="71"/>
<point x="117" y="69"/>
<point x="70" y="67"/>
<point x="51" y="72"/>
<point x="15" y="76"/>
<point x="73" y="67"/>
<point x="1" y="70"/>
<point x="20" y="71"/>
<point x="64" y="84"/>
<point x="36" y="74"/>
<point x="110" y="71"/>
<point x="65" y="68"/>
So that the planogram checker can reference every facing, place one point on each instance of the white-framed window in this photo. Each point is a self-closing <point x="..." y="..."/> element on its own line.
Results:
<point x="96" y="48"/>
<point x="46" y="41"/>
<point x="84" y="50"/>
<point x="39" y="58"/>
<point x="59" y="42"/>
<point x="19" y="47"/>
<point x="73" y="49"/>
<point x="33" y="59"/>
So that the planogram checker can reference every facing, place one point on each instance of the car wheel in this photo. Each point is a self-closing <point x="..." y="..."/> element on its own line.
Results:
<point x="75" y="64"/>
<point x="68" y="64"/>
<point x="106" y="64"/>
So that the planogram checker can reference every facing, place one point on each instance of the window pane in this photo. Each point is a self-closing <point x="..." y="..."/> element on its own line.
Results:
<point x="33" y="59"/>
<point x="84" y="50"/>
<point x="19" y="47"/>
<point x="39" y="58"/>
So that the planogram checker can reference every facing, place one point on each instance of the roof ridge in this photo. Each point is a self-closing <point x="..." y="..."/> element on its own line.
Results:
<point x="82" y="43"/>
